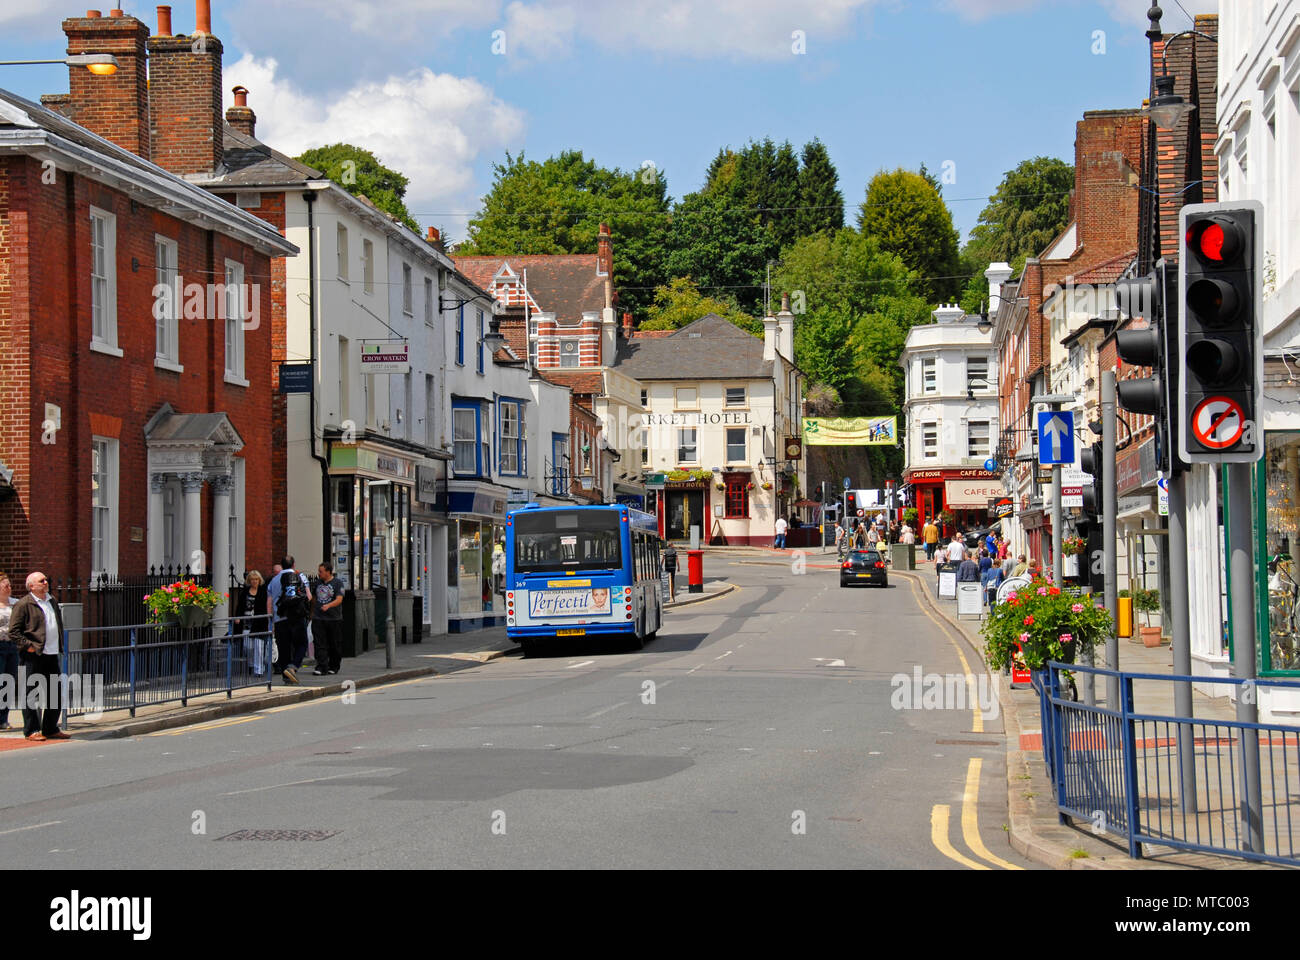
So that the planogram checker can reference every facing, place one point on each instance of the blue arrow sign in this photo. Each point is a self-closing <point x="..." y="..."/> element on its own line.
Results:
<point x="1055" y="437"/>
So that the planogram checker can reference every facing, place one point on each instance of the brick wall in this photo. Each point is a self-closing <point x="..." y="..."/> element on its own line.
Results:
<point x="115" y="107"/>
<point x="46" y="301"/>
<point x="186" y="133"/>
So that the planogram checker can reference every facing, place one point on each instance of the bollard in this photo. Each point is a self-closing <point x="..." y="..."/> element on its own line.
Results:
<point x="695" y="571"/>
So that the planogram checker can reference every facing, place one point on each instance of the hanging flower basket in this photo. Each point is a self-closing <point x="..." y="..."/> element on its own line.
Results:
<point x="183" y="602"/>
<point x="767" y="484"/>
<point x="750" y="485"/>
<point x="1073" y="546"/>
<point x="1042" y="623"/>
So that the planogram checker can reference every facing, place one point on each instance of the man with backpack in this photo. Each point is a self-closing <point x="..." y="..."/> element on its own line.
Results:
<point x="290" y="608"/>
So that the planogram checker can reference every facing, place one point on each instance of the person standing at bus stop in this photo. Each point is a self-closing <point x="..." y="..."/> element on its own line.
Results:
<point x="670" y="567"/>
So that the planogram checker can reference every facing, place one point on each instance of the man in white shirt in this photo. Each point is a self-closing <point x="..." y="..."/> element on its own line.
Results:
<point x="956" y="549"/>
<point x="781" y="525"/>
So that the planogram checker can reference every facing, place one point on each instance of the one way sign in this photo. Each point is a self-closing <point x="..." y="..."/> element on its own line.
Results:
<point x="1055" y="437"/>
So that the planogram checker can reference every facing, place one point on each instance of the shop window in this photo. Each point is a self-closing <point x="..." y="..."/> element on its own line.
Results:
<point x="466" y="421"/>
<point x="512" y="438"/>
<point x="1279" y="522"/>
<point x="737" y="497"/>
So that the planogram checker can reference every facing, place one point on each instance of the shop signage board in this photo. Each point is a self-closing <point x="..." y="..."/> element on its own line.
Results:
<point x="1071" y="496"/>
<point x="1162" y="496"/>
<point x="385" y="356"/>
<point x="655" y="481"/>
<point x="295" y="377"/>
<point x="970" y="600"/>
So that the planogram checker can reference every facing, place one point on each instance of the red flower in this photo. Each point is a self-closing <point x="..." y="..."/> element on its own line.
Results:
<point x="1053" y="591"/>
<point x="1029" y="620"/>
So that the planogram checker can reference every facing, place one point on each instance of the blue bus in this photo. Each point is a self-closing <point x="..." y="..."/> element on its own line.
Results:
<point x="582" y="571"/>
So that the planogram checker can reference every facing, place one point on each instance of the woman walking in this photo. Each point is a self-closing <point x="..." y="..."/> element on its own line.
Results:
<point x="252" y="621"/>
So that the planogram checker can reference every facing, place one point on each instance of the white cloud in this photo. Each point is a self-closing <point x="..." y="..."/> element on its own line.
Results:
<point x="430" y="126"/>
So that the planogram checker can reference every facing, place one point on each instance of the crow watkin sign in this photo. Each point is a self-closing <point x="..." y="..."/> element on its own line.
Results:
<point x="850" y="431"/>
<point x="385" y="357"/>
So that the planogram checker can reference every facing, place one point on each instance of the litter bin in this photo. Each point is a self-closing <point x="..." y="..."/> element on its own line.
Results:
<point x="903" y="556"/>
<point x="695" y="571"/>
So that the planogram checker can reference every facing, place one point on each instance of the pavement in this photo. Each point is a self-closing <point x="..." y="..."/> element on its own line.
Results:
<point x="439" y="654"/>
<point x="1035" y="828"/>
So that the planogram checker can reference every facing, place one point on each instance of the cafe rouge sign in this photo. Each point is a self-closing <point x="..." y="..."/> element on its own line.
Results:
<point x="694" y="419"/>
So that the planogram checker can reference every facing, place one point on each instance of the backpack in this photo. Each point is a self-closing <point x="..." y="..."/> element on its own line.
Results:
<point x="292" y="604"/>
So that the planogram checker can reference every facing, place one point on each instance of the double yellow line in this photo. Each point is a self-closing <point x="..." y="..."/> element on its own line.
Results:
<point x="970" y="830"/>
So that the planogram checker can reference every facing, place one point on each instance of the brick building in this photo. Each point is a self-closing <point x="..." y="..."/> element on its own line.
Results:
<point x="1049" y="303"/>
<point x="136" y="429"/>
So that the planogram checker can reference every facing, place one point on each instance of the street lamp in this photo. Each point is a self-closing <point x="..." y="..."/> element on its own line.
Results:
<point x="100" y="64"/>
<point x="1166" y="108"/>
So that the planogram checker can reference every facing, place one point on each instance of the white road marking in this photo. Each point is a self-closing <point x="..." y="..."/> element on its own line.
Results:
<point x="34" y="826"/>
<point x="295" y="783"/>
<point x="828" y="662"/>
<point x="574" y="666"/>
<point x="727" y="654"/>
<point x="602" y="711"/>
<point x="838" y="630"/>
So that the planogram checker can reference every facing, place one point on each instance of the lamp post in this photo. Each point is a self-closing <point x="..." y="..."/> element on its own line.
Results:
<point x="100" y="64"/>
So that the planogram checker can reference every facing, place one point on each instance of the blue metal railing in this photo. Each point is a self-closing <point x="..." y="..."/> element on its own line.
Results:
<point x="147" y="664"/>
<point x="1120" y="769"/>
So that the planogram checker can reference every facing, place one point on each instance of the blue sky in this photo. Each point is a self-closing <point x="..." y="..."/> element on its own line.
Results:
<point x="438" y="92"/>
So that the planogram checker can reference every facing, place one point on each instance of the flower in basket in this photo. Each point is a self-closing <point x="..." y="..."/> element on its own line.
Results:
<point x="1073" y="546"/>
<point x="167" y="601"/>
<point x="1048" y="624"/>
<point x="767" y="484"/>
<point x="750" y="485"/>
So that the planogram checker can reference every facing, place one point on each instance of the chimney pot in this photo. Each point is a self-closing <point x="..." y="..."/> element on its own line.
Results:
<point x="241" y="96"/>
<point x="434" y="235"/>
<point x="203" y="16"/>
<point x="93" y="14"/>
<point x="116" y="13"/>
<point x="164" y="21"/>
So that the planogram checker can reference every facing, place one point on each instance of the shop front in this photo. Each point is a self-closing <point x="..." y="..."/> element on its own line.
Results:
<point x="429" y="548"/>
<point x="1277" y="502"/>
<point x="476" y="527"/>
<point x="684" y="505"/>
<point x="372" y="492"/>
<point x="957" y="497"/>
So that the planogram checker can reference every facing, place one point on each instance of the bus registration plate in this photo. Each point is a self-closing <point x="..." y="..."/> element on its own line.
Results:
<point x="570" y="633"/>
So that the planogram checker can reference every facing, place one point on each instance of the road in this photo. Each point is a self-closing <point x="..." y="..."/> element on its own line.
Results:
<point x="758" y="730"/>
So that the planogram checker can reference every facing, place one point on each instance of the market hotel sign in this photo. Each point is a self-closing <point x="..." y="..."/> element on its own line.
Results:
<point x="694" y="419"/>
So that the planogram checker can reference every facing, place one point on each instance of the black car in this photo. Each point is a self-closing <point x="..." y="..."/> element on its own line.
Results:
<point x="864" y="566"/>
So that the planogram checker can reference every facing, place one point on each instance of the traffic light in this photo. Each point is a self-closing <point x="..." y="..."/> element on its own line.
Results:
<point x="1093" y="495"/>
<point x="1220" y="351"/>
<point x="1147" y="347"/>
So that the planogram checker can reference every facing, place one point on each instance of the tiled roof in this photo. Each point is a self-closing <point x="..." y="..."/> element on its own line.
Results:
<point x="1108" y="271"/>
<point x="250" y="162"/>
<point x="650" y="334"/>
<point x="563" y="284"/>
<point x="579" y="381"/>
<point x="708" y="349"/>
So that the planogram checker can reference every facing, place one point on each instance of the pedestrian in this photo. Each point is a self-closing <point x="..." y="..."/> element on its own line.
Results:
<point x="956" y="549"/>
<point x="290" y="609"/>
<point x="1021" y="567"/>
<point x="327" y="622"/>
<point x="860" y="537"/>
<point x="781" y="525"/>
<point x="930" y="534"/>
<point x="499" y="566"/>
<point x="8" y="653"/>
<point x="968" y="571"/>
<point x="906" y="534"/>
<point x="36" y="628"/>
<point x="873" y="537"/>
<point x="252" y="620"/>
<point x="669" y="557"/>
<point x="992" y="578"/>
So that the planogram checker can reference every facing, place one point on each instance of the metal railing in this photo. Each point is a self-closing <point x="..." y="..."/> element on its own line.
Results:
<point x="117" y="601"/>
<point x="1119" y="770"/>
<point x="149" y="664"/>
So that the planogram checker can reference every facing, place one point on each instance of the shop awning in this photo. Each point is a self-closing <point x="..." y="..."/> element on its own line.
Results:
<point x="972" y="494"/>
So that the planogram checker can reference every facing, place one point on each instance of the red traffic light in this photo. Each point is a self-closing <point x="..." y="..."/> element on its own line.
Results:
<point x="1215" y="239"/>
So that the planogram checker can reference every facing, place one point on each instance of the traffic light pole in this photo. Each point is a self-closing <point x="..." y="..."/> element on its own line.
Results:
<point x="1242" y="571"/>
<point x="1181" y="631"/>
<point x="1110" y="563"/>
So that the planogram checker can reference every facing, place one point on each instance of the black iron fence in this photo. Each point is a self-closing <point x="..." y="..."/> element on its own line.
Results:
<point x="111" y="601"/>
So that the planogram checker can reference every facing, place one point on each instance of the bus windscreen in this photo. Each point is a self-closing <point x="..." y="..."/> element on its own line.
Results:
<point x="567" y="540"/>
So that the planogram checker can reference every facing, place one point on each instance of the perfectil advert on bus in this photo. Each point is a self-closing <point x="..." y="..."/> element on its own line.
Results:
<point x="568" y="603"/>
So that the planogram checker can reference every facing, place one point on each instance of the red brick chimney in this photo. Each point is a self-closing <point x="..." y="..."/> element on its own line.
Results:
<point x="627" y="326"/>
<point x="241" y="115"/>
<point x="115" y="107"/>
<point x="185" y="96"/>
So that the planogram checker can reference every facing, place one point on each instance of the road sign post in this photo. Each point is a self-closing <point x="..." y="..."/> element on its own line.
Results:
<point x="1056" y="447"/>
<point x="1110" y="555"/>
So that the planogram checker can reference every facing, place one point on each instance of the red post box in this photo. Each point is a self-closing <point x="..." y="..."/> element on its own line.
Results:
<point x="695" y="571"/>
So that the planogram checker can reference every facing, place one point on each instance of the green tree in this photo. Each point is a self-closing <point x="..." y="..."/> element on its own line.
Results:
<point x="909" y="218"/>
<point x="821" y="205"/>
<point x="824" y="350"/>
<point x="359" y="172"/>
<point x="723" y="248"/>
<point x="848" y="270"/>
<point x="680" y="302"/>
<point x="1030" y="208"/>
<point x="556" y="206"/>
